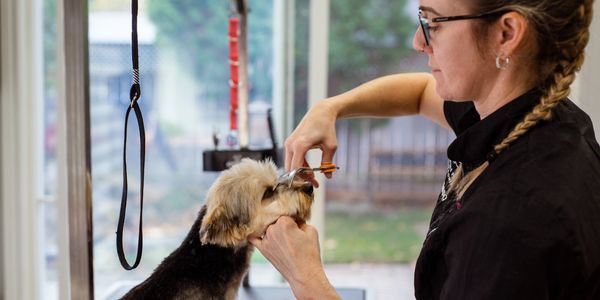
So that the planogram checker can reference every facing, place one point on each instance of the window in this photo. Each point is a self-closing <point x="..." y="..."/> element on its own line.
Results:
<point x="185" y="99"/>
<point x="48" y="210"/>
<point x="379" y="203"/>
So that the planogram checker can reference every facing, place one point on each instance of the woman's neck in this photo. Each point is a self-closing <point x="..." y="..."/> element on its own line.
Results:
<point x="507" y="87"/>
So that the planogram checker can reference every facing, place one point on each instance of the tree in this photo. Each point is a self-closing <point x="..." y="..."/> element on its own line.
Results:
<point x="198" y="32"/>
<point x="367" y="38"/>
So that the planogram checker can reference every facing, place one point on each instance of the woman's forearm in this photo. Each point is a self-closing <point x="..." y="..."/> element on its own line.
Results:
<point x="393" y="95"/>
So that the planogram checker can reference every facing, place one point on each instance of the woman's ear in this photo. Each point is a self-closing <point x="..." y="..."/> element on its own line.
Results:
<point x="512" y="33"/>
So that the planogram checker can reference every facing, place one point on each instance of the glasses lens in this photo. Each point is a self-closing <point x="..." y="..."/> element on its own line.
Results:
<point x="424" y="28"/>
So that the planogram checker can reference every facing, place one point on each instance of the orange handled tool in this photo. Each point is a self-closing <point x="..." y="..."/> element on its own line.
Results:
<point x="288" y="178"/>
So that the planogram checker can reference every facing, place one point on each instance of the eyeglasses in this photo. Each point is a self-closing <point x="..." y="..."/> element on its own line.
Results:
<point x="425" y="23"/>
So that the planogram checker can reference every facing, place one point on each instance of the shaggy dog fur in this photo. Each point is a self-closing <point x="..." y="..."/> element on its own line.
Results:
<point x="214" y="257"/>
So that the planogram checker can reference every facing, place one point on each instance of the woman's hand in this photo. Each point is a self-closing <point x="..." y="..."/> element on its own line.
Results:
<point x="316" y="130"/>
<point x="294" y="252"/>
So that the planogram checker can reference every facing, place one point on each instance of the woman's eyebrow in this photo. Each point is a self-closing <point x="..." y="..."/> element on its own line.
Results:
<point x="429" y="9"/>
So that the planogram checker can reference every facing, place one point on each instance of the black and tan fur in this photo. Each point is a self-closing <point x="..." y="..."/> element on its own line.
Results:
<point x="212" y="260"/>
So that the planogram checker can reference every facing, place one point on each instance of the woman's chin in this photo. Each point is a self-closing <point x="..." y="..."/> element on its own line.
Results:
<point x="442" y="91"/>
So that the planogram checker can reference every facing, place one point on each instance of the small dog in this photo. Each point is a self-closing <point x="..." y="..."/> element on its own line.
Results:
<point x="212" y="260"/>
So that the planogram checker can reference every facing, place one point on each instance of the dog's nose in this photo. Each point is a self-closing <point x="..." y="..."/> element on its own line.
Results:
<point x="308" y="189"/>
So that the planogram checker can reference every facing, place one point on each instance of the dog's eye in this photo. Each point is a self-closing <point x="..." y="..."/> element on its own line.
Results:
<point x="268" y="193"/>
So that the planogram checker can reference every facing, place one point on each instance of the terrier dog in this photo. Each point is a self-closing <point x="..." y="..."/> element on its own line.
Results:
<point x="214" y="257"/>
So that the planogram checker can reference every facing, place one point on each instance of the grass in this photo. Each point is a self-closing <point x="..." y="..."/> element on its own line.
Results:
<point x="372" y="237"/>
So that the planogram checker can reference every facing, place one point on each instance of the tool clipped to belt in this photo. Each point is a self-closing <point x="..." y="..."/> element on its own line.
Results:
<point x="288" y="178"/>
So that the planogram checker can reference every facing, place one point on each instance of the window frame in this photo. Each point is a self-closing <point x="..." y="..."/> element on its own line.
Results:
<point x="74" y="151"/>
<point x="20" y="174"/>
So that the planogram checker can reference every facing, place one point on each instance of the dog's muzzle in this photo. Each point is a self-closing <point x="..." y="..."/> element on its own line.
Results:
<point x="308" y="189"/>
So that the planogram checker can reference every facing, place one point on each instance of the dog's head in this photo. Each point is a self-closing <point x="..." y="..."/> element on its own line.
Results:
<point x="242" y="203"/>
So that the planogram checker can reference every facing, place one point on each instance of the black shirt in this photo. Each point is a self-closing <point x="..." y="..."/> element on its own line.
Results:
<point x="529" y="226"/>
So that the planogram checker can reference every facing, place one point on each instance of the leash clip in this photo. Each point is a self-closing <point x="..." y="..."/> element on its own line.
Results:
<point x="135" y="92"/>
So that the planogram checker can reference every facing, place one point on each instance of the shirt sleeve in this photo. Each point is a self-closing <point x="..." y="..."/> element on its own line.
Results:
<point x="525" y="255"/>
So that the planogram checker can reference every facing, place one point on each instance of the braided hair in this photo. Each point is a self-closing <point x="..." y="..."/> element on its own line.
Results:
<point x="561" y="28"/>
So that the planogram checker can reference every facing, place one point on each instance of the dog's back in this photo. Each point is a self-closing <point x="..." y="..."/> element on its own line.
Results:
<point x="196" y="271"/>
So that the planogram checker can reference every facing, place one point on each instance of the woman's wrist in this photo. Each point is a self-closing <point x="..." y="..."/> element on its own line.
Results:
<point x="339" y="106"/>
<point x="333" y="106"/>
<point x="315" y="286"/>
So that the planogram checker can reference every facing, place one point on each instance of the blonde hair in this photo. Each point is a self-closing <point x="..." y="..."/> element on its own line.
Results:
<point x="563" y="24"/>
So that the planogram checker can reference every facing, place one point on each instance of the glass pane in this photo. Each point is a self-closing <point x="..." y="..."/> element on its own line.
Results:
<point x="48" y="228"/>
<point x="380" y="201"/>
<point x="183" y="56"/>
<point x="301" y="28"/>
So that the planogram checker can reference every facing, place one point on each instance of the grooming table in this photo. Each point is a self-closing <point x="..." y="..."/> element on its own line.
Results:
<point x="248" y="293"/>
<point x="285" y="293"/>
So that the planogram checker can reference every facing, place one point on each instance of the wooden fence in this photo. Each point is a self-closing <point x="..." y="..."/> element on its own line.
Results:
<point x="397" y="162"/>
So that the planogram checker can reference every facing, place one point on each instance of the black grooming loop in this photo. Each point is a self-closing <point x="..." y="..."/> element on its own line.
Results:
<point x="134" y="95"/>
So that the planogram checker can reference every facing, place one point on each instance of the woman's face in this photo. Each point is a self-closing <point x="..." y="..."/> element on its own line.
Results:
<point x="456" y="63"/>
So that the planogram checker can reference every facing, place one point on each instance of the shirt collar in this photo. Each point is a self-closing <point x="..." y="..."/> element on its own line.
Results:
<point x="479" y="137"/>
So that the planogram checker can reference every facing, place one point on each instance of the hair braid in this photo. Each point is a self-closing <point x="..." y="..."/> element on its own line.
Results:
<point x="555" y="88"/>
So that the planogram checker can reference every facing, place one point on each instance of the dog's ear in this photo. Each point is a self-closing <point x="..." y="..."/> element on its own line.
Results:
<point x="226" y="223"/>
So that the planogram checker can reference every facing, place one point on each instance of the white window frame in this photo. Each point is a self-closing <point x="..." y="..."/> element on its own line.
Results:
<point x="21" y="148"/>
<point x="283" y="67"/>
<point x="283" y="87"/>
<point x="318" y="72"/>
<point x="74" y="199"/>
<point x="21" y="115"/>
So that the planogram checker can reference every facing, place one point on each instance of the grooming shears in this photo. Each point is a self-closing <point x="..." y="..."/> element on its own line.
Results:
<point x="288" y="178"/>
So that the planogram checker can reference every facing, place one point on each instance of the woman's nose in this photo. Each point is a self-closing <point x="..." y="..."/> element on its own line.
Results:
<point x="419" y="40"/>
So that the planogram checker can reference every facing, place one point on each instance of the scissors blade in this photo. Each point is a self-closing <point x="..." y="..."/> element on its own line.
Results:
<point x="288" y="178"/>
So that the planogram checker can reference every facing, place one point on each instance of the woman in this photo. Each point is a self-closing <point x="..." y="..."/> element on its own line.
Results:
<point x="517" y="217"/>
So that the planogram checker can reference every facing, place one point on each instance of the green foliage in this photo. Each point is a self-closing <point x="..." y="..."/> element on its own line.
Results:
<point x="197" y="30"/>
<point x="177" y="199"/>
<point x="367" y="39"/>
<point x="374" y="237"/>
<point x="49" y="44"/>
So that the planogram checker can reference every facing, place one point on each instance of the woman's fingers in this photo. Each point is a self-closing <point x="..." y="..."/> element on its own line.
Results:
<point x="255" y="241"/>
<point x="316" y="130"/>
<point x="289" y="154"/>
<point x="295" y="150"/>
<point x="327" y="157"/>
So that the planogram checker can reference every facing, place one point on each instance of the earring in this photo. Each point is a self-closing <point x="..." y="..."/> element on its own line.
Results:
<point x="502" y="63"/>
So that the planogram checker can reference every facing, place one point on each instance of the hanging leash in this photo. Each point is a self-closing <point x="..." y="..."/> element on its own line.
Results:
<point x="134" y="95"/>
